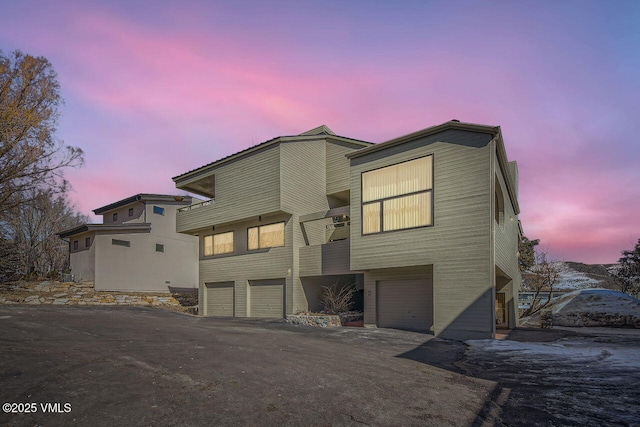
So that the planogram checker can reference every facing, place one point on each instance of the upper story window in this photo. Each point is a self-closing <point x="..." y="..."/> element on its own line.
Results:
<point x="115" y="217"/>
<point x="130" y="211"/>
<point x="118" y="242"/>
<point x="265" y="236"/>
<point x="158" y="210"/>
<point x="398" y="197"/>
<point x="75" y="244"/>
<point x="87" y="242"/>
<point x="217" y="244"/>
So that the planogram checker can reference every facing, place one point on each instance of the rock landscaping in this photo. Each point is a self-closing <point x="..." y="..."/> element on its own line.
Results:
<point x="324" y="320"/>
<point x="71" y="293"/>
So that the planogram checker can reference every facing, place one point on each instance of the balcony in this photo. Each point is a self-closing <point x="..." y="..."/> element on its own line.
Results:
<point x="196" y="206"/>
<point x="327" y="249"/>
<point x="193" y="217"/>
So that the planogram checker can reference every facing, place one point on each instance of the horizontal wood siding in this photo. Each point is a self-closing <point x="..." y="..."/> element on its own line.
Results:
<point x="506" y="235"/>
<point x="459" y="243"/>
<point x="337" y="168"/>
<point x="310" y="260"/>
<point x="244" y="188"/>
<point x="462" y="210"/>
<point x="302" y="176"/>
<point x="244" y="265"/>
<point x="328" y="259"/>
<point x="506" y="244"/>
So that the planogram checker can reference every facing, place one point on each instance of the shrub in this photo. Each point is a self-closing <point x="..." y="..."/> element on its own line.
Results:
<point x="335" y="299"/>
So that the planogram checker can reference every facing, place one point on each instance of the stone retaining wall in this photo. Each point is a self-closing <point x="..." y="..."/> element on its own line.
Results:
<point x="70" y="293"/>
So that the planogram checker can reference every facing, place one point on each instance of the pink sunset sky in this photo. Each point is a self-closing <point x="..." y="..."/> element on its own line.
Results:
<point x="156" y="88"/>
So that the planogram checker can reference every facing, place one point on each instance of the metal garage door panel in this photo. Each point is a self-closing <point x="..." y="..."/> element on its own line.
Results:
<point x="267" y="298"/>
<point x="405" y="304"/>
<point x="220" y="299"/>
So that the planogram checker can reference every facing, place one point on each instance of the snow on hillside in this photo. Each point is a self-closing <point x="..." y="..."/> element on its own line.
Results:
<point x="573" y="279"/>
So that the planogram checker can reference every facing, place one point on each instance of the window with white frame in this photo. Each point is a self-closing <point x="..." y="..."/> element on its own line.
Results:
<point x="398" y="197"/>
<point x="265" y="236"/>
<point x="217" y="244"/>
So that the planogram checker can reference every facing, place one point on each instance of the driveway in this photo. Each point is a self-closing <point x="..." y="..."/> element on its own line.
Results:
<point x="137" y="366"/>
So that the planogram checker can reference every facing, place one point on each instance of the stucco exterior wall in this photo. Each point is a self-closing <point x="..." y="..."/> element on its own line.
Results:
<point x="82" y="260"/>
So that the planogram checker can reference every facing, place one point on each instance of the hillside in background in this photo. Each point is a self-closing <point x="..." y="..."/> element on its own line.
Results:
<point x="577" y="275"/>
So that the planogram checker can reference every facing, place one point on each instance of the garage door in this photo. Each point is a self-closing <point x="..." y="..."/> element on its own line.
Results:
<point x="266" y="298"/>
<point x="405" y="304"/>
<point x="220" y="299"/>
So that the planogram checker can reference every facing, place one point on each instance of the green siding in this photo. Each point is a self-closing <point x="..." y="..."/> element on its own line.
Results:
<point x="337" y="168"/>
<point x="283" y="182"/>
<point x="243" y="265"/>
<point x="246" y="188"/>
<point x="458" y="245"/>
<point x="506" y="242"/>
<point x="302" y="175"/>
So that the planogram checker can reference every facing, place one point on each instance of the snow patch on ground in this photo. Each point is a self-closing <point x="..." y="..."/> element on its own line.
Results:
<point x="567" y="350"/>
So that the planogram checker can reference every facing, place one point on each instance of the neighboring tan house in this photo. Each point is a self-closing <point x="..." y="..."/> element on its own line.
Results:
<point x="136" y="248"/>
<point x="425" y="225"/>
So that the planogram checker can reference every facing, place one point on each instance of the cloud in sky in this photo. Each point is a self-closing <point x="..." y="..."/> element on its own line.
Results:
<point x="154" y="89"/>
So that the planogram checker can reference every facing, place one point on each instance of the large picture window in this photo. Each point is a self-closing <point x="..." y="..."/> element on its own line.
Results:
<point x="398" y="197"/>
<point x="218" y="244"/>
<point x="265" y="236"/>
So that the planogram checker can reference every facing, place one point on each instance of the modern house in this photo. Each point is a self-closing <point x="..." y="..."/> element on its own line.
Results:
<point x="136" y="248"/>
<point x="426" y="226"/>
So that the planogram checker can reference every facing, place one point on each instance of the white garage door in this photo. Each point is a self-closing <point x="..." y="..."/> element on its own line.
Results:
<point x="220" y="299"/>
<point x="405" y="304"/>
<point x="266" y="298"/>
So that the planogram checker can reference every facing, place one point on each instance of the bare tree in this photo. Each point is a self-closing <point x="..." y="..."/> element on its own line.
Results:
<point x="542" y="277"/>
<point x="30" y="228"/>
<point x="30" y="154"/>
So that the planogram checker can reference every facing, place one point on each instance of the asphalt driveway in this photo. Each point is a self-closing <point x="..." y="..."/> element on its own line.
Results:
<point x="135" y="366"/>
<point x="138" y="366"/>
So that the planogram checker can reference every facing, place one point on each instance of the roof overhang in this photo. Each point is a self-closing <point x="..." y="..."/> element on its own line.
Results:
<point x="492" y="130"/>
<point x="191" y="181"/>
<point x="139" y="227"/>
<point x="161" y="198"/>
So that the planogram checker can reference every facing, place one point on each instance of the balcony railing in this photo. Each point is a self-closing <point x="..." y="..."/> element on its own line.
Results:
<point x="197" y="205"/>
